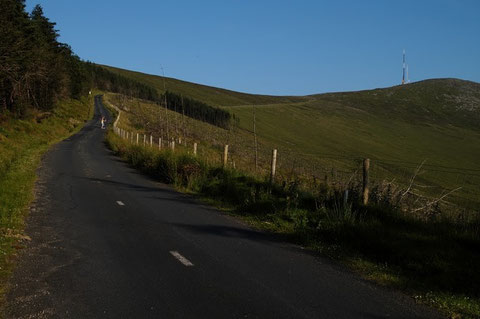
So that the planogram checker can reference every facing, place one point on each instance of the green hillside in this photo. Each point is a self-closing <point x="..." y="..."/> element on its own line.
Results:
<point x="432" y="121"/>
<point x="207" y="94"/>
<point x="325" y="131"/>
<point x="435" y="121"/>
<point x="435" y="102"/>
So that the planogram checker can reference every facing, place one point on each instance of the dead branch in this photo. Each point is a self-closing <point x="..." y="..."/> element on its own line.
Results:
<point x="436" y="200"/>
<point x="412" y="180"/>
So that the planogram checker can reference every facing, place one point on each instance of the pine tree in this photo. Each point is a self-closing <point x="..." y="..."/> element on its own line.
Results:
<point x="15" y="26"/>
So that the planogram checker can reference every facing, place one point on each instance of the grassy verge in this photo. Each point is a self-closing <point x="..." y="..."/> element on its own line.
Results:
<point x="435" y="262"/>
<point x="22" y="144"/>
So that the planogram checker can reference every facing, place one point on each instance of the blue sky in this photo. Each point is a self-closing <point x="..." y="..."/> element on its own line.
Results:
<point x="276" y="47"/>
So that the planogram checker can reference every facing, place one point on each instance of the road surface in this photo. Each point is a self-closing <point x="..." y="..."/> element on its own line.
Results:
<point x="108" y="242"/>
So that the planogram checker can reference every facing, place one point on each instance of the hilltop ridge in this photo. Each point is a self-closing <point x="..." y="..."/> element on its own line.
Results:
<point x="208" y="94"/>
<point x="434" y="101"/>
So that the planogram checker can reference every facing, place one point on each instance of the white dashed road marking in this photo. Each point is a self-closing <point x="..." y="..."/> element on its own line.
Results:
<point x="120" y="203"/>
<point x="181" y="259"/>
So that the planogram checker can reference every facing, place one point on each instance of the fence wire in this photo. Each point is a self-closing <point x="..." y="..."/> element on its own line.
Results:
<point x="310" y="169"/>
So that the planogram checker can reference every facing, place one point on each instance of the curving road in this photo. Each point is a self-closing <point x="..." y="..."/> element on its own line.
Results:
<point x="108" y="242"/>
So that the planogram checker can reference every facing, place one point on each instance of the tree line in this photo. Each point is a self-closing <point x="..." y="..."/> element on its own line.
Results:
<point x="198" y="110"/>
<point x="105" y="80"/>
<point x="36" y="70"/>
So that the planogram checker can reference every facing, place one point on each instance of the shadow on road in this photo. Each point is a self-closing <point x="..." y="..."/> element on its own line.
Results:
<point x="240" y="232"/>
<point x="171" y="195"/>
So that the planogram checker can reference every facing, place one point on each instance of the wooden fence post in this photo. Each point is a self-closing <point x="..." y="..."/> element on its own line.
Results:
<point x="144" y="140"/>
<point x="137" y="138"/>
<point x="173" y="145"/>
<point x="195" y="149"/>
<point x="159" y="143"/>
<point x="366" y="167"/>
<point x="225" y="156"/>
<point x="274" y="166"/>
<point x="151" y="140"/>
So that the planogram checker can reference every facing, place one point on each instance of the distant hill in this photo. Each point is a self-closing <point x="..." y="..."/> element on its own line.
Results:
<point x="435" y="101"/>
<point x="436" y="121"/>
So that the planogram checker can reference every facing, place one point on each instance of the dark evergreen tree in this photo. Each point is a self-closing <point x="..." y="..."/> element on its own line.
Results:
<point x="15" y="26"/>
<point x="47" y="77"/>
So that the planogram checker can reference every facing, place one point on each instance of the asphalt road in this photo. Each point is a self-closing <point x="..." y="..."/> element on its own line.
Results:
<point x="108" y="242"/>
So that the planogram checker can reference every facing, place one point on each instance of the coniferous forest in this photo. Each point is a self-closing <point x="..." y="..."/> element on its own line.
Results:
<point x="36" y="70"/>
<point x="198" y="110"/>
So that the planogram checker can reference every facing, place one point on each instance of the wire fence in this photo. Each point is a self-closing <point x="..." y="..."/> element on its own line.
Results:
<point x="336" y="170"/>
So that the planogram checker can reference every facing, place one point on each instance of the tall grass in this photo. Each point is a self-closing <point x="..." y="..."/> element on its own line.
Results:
<point x="435" y="260"/>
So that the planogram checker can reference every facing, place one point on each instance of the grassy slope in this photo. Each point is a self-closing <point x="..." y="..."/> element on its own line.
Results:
<point x="396" y="146"/>
<point x="22" y="143"/>
<point x="398" y="128"/>
<point x="210" y="95"/>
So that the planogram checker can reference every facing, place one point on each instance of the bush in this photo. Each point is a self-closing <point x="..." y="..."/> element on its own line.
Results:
<point x="189" y="170"/>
